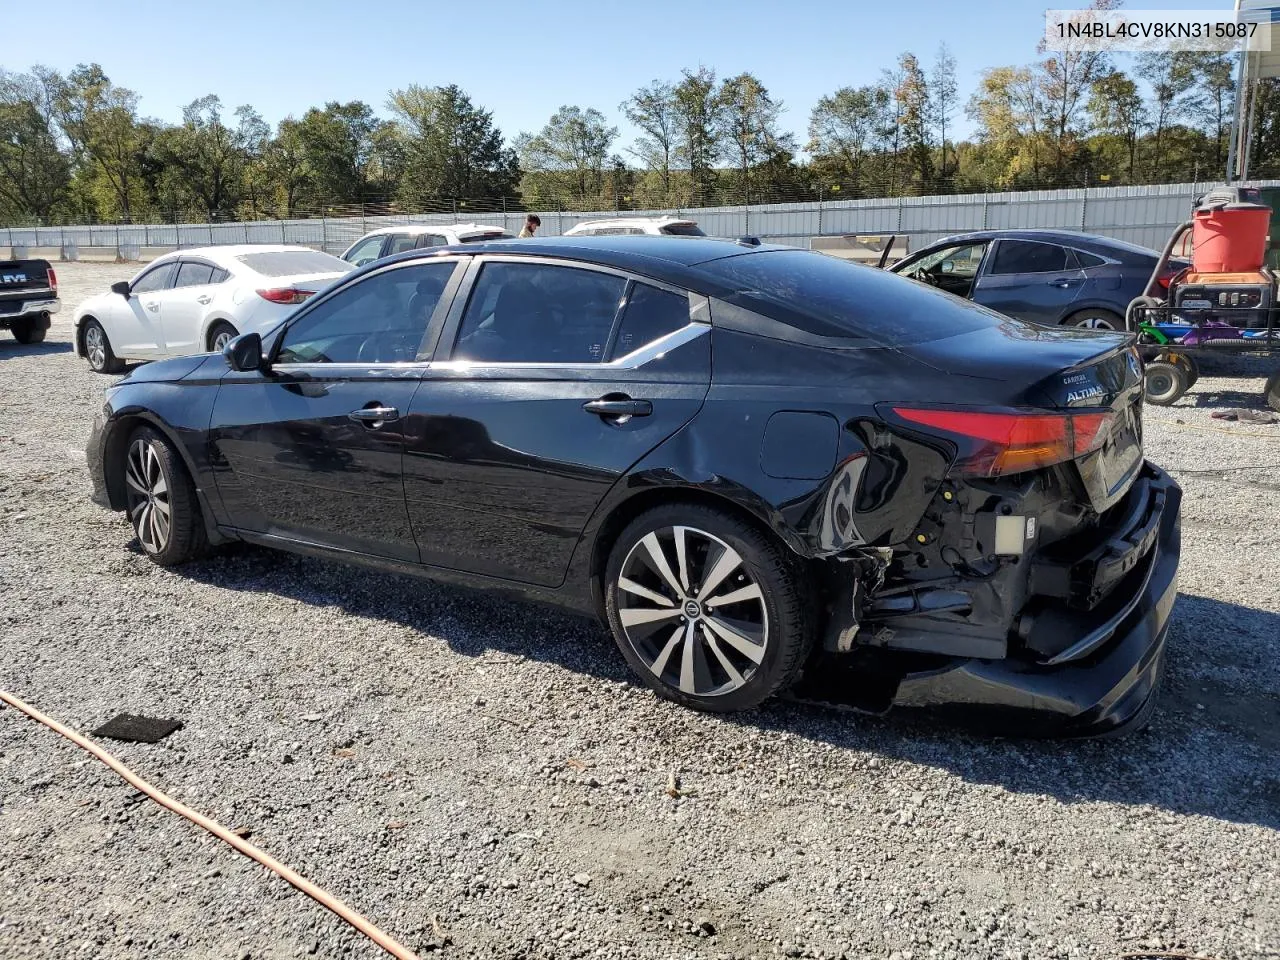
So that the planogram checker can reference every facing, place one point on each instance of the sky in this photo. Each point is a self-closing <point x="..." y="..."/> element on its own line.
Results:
<point x="523" y="60"/>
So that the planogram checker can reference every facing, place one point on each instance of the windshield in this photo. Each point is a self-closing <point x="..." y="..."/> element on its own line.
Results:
<point x="831" y="297"/>
<point x="284" y="263"/>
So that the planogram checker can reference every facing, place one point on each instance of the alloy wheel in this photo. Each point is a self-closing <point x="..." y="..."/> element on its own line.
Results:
<point x="692" y="612"/>
<point x="95" y="346"/>
<point x="150" y="507"/>
<point x="222" y="339"/>
<point x="1096" y="323"/>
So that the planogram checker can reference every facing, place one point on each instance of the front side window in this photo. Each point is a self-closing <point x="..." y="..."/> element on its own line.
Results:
<point x="400" y="242"/>
<point x="366" y="251"/>
<point x="958" y="261"/>
<point x="194" y="275"/>
<point x="381" y="319"/>
<point x="1026" y="256"/>
<point x="650" y="315"/>
<point x="155" y="279"/>
<point x="538" y="313"/>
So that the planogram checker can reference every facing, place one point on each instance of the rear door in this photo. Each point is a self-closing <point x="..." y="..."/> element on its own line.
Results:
<point x="185" y="305"/>
<point x="554" y="380"/>
<point x="1029" y="279"/>
<point x="311" y="450"/>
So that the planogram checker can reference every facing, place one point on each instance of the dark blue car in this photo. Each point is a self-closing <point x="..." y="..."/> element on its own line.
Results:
<point x="1050" y="277"/>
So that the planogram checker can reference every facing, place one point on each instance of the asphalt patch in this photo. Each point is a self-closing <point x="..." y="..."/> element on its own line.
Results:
<point x="136" y="729"/>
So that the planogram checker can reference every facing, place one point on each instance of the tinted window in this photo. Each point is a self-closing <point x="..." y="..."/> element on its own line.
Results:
<point x="1088" y="259"/>
<point x="156" y="279"/>
<point x="481" y="237"/>
<point x="381" y="319"/>
<point x="835" y="298"/>
<point x="194" y="275"/>
<point x="400" y="242"/>
<point x="1024" y="256"/>
<point x="219" y="275"/>
<point x="283" y="263"/>
<point x="367" y="249"/>
<point x="650" y="314"/>
<point x="534" y="313"/>
<point x="683" y="230"/>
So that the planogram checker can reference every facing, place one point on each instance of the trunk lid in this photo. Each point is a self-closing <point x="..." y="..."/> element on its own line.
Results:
<point x="23" y="276"/>
<point x="1051" y="368"/>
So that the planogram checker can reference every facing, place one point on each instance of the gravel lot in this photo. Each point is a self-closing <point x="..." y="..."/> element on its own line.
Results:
<point x="424" y="752"/>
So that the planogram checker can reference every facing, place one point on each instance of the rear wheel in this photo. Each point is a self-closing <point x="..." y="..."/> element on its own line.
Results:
<point x="30" y="330"/>
<point x="1095" y="320"/>
<point x="97" y="349"/>
<point x="1187" y="364"/>
<point x="1165" y="382"/>
<point x="161" y="500"/>
<point x="220" y="334"/>
<point x="708" y="611"/>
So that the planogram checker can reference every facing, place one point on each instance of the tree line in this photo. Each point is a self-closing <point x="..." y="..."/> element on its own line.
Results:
<point x="75" y="148"/>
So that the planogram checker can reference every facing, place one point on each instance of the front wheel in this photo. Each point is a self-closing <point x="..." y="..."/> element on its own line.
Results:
<point x="220" y="334"/>
<point x="161" y="500"/>
<point x="1095" y="320"/>
<point x="709" y="611"/>
<point x="97" y="349"/>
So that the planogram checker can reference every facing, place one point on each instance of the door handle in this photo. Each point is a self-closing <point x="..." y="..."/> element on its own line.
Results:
<point x="1062" y="284"/>
<point x="203" y="298"/>
<point x="622" y="407"/>
<point x="152" y="306"/>
<point x="374" y="416"/>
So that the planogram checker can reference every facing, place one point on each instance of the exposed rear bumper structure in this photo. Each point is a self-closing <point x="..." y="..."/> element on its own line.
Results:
<point x="1104" y="683"/>
<point x="38" y="308"/>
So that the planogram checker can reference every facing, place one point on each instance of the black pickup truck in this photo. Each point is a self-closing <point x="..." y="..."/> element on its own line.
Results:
<point x="28" y="298"/>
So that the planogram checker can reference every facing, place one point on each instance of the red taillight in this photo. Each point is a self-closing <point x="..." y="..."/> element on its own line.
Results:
<point x="53" y="281"/>
<point x="1005" y="443"/>
<point x="285" y="294"/>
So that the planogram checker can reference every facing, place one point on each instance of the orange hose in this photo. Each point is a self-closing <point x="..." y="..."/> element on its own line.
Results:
<point x="384" y="940"/>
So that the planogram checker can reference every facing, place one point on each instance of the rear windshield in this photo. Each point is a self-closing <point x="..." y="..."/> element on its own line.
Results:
<point x="683" y="230"/>
<point x="284" y="263"/>
<point x="831" y="297"/>
<point x="494" y="235"/>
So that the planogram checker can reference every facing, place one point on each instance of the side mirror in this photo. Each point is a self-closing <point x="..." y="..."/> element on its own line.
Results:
<point x="244" y="352"/>
<point x="947" y="266"/>
<point x="121" y="287"/>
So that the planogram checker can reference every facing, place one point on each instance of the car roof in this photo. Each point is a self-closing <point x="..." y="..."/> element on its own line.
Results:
<point x="631" y="221"/>
<point x="222" y="255"/>
<point x="417" y="228"/>
<point x="1070" y="238"/>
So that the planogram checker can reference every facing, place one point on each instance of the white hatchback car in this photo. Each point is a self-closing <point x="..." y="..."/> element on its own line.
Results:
<point x="385" y="241"/>
<point x="193" y="301"/>
<point x="636" y="226"/>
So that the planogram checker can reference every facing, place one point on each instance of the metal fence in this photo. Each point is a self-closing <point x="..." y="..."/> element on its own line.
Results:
<point x="1140" y="214"/>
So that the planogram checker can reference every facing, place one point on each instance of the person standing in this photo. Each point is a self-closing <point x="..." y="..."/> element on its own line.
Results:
<point x="531" y="225"/>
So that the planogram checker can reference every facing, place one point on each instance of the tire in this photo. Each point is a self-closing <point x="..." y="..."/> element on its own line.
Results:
<point x="1165" y="383"/>
<point x="733" y="662"/>
<point x="97" y="349"/>
<point x="1188" y="365"/>
<point x="156" y="481"/>
<point x="1271" y="392"/>
<point x="28" y="331"/>
<point x="1095" y="320"/>
<point x="219" y="334"/>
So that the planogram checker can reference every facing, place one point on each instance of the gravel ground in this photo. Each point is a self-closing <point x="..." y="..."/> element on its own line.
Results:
<point x="483" y="778"/>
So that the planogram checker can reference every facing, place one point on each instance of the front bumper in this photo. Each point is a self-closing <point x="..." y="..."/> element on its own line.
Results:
<point x="1104" y="690"/>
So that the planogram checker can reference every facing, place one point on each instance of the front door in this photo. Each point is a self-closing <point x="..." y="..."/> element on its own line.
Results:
<point x="184" y="308"/>
<point x="1031" y="280"/>
<point x="560" y="378"/>
<point x="311" y="449"/>
<point x="134" y="326"/>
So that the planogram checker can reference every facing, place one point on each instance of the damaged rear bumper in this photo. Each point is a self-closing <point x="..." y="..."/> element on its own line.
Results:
<point x="1105" y="685"/>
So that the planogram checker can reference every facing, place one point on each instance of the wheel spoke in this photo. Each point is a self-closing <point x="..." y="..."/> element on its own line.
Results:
<point x="660" y="664"/>
<point x="635" y="616"/>
<point x="144" y="525"/>
<point x="161" y="519"/>
<point x="749" y="648"/>
<point x="682" y="560"/>
<point x="642" y="591"/>
<point x="160" y="486"/>
<point x="750" y="592"/>
<point x="735" y="677"/>
<point x="134" y="478"/>
<point x="659" y="560"/>
<point x="163" y="507"/>
<point x="725" y="564"/>
<point x="687" y="682"/>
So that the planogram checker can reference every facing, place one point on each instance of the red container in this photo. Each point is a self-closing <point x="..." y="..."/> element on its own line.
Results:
<point x="1230" y="238"/>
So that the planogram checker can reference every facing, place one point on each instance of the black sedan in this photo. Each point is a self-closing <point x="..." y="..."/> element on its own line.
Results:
<point x="760" y="466"/>
<point x="1052" y="277"/>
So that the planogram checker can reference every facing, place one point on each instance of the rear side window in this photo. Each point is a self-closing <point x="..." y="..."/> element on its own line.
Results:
<point x="194" y="275"/>
<point x="284" y="263"/>
<point x="153" y="280"/>
<point x="539" y="313"/>
<point x="1025" y="256"/>
<point x="482" y="237"/>
<point x="430" y="240"/>
<point x="650" y="315"/>
<point x="831" y="297"/>
<point x="1088" y="259"/>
